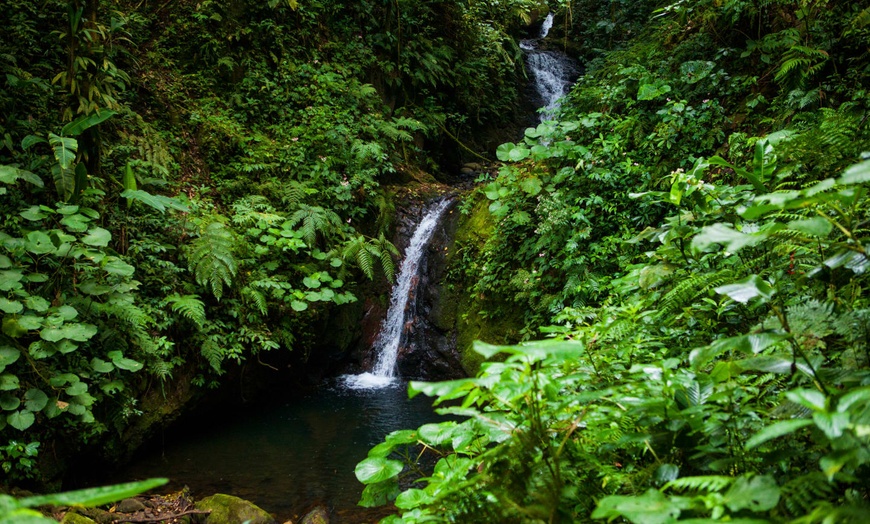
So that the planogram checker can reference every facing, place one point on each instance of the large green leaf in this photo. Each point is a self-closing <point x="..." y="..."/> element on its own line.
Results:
<point x="158" y="202"/>
<point x="65" y="154"/>
<point x="650" y="508"/>
<point x="97" y="237"/>
<point x="745" y="290"/>
<point x="757" y="493"/>
<point x="80" y="124"/>
<point x="121" y="362"/>
<point x="35" y="399"/>
<point x="94" y="496"/>
<point x="778" y="429"/>
<point x="377" y="469"/>
<point x="21" y="420"/>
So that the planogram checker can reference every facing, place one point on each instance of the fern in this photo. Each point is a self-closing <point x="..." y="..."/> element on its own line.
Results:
<point x="211" y="258"/>
<point x="364" y="253"/>
<point x="315" y="220"/>
<point x="803" y="494"/>
<point x="694" y="286"/>
<point x="213" y="353"/>
<point x="257" y="298"/>
<point x="707" y="483"/>
<point x="189" y="306"/>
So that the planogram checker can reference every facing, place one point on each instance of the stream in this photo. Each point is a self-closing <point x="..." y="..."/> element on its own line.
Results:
<point x="289" y="454"/>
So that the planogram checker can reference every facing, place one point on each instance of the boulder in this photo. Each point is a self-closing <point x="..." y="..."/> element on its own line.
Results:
<point x="227" y="509"/>
<point x="130" y="506"/>
<point x="318" y="515"/>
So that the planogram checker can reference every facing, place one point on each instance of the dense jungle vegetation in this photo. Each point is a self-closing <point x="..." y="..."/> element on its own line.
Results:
<point x="690" y="234"/>
<point x="189" y="185"/>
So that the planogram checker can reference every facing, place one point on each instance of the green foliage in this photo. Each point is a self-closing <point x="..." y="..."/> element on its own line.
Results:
<point x="18" y="510"/>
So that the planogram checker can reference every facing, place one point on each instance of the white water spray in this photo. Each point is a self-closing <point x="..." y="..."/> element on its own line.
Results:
<point x="551" y="71"/>
<point x="390" y="337"/>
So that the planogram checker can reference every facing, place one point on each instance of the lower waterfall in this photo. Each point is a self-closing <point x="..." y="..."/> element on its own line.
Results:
<point x="392" y="330"/>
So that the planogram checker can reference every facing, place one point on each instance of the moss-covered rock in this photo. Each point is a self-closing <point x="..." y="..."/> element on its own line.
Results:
<point x="227" y="509"/>
<point x="468" y="314"/>
<point x="74" y="518"/>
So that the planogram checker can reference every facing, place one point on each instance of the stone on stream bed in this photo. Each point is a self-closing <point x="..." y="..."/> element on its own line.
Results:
<point x="227" y="509"/>
<point x="318" y="515"/>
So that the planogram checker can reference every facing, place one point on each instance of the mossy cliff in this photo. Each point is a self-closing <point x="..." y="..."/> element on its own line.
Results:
<point x="459" y="309"/>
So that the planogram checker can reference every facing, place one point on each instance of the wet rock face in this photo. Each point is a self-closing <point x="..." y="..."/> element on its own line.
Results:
<point x="428" y="351"/>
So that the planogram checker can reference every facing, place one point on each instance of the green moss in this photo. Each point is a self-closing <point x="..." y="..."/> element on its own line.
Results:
<point x="463" y="311"/>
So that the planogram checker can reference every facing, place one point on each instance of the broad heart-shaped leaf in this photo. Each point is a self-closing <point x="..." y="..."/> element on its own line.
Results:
<point x="121" y="362"/>
<point x="101" y="366"/>
<point x="518" y="153"/>
<point x="8" y="355"/>
<point x="652" y="91"/>
<point x="650" y="508"/>
<point x="745" y="290"/>
<point x="21" y="420"/>
<point x="39" y="243"/>
<point x="9" y="402"/>
<point x="778" y="429"/>
<point x="503" y="151"/>
<point x="116" y="266"/>
<point x="35" y="399"/>
<point x="531" y="185"/>
<point x="8" y="382"/>
<point x="74" y="331"/>
<point x="97" y="237"/>
<point x="80" y="124"/>
<point x="299" y="305"/>
<point x="758" y="493"/>
<point x="94" y="496"/>
<point x="10" y="307"/>
<point x="377" y="469"/>
<point x="412" y="498"/>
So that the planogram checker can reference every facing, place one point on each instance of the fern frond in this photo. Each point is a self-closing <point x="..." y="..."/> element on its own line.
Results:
<point x="803" y="494"/>
<point x="691" y="288"/>
<point x="707" y="483"/>
<point x="189" y="306"/>
<point x="211" y="258"/>
<point x="213" y="354"/>
<point x="315" y="220"/>
<point x="257" y="298"/>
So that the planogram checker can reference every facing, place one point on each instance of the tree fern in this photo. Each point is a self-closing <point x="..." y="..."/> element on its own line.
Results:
<point x="211" y="258"/>
<point x="189" y="306"/>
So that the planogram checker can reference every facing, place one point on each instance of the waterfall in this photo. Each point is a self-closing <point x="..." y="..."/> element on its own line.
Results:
<point x="552" y="71"/>
<point x="392" y="331"/>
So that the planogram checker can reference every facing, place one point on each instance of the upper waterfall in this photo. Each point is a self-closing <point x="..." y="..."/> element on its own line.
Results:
<point x="552" y="72"/>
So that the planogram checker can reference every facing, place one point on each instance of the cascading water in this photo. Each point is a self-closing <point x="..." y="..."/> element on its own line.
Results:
<point x="552" y="71"/>
<point x="390" y="337"/>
